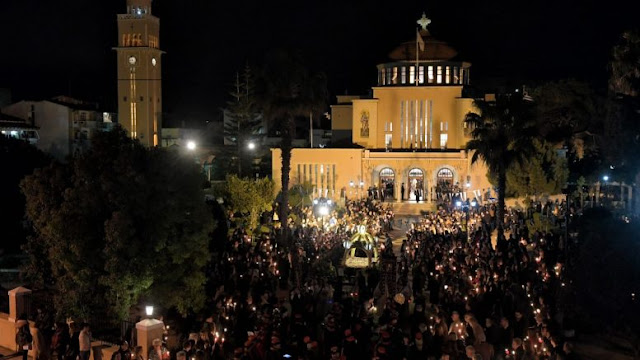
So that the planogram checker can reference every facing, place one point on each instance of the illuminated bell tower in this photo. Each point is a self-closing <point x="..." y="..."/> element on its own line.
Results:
<point x="139" y="73"/>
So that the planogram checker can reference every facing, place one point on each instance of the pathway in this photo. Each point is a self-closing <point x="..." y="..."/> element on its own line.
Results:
<point x="401" y="224"/>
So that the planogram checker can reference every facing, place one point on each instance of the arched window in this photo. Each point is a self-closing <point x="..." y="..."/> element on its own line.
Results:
<point x="445" y="177"/>
<point x="415" y="173"/>
<point x="387" y="173"/>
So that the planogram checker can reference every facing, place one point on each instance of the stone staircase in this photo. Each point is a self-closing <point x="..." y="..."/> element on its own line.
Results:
<point x="413" y="208"/>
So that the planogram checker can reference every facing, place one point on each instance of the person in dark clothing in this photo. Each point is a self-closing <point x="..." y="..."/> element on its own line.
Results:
<point x="123" y="353"/>
<point x="505" y="337"/>
<point x="492" y="332"/>
<point x="23" y="337"/>
<point x="74" y="343"/>
<point x="417" y="350"/>
<point x="520" y="325"/>
<point x="60" y="340"/>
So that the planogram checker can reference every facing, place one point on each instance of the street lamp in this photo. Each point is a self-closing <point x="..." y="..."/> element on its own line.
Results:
<point x="191" y="145"/>
<point x="323" y="210"/>
<point x="149" y="310"/>
<point x="322" y="207"/>
<point x="605" y="178"/>
<point x="251" y="145"/>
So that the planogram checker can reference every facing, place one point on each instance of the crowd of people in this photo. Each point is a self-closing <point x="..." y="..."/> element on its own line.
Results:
<point x="457" y="291"/>
<point x="458" y="295"/>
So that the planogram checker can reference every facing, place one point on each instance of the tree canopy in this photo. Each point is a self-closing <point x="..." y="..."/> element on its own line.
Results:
<point x="250" y="198"/>
<point x="544" y="171"/>
<point x="117" y="223"/>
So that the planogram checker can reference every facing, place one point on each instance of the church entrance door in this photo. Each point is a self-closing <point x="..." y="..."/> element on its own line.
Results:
<point x="387" y="182"/>
<point x="416" y="185"/>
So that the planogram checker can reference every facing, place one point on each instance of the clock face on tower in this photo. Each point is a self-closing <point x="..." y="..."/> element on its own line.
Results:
<point x="132" y="60"/>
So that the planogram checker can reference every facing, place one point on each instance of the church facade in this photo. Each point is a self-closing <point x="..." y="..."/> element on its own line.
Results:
<point x="411" y="133"/>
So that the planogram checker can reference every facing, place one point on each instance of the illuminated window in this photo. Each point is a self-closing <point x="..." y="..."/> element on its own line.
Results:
<point x="439" y="75"/>
<point x="394" y="79"/>
<point x="445" y="177"/>
<point x="443" y="141"/>
<point x="412" y="74"/>
<point x="382" y="77"/>
<point x="387" y="140"/>
<point x="403" y="75"/>
<point x="447" y="75"/>
<point x="421" y="74"/>
<point x="456" y="77"/>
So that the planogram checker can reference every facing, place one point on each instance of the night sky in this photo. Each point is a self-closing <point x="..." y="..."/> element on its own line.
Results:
<point x="52" y="47"/>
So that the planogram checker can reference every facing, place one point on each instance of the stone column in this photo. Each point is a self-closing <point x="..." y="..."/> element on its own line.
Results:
<point x="19" y="302"/>
<point x="148" y="330"/>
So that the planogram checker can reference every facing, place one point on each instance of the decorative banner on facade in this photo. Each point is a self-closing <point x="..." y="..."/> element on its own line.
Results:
<point x="364" y="123"/>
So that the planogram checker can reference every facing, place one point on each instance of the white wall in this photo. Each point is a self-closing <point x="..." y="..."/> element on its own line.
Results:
<point x="53" y="121"/>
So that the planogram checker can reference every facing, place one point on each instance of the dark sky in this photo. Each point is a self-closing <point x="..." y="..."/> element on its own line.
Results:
<point x="64" y="47"/>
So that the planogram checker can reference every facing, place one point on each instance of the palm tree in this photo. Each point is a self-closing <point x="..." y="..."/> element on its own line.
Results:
<point x="289" y="92"/>
<point x="502" y="134"/>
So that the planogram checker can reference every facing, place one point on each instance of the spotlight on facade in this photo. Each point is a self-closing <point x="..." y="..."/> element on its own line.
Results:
<point x="605" y="178"/>
<point x="458" y="203"/>
<point x="351" y="183"/>
<point x="191" y="145"/>
<point x="148" y="310"/>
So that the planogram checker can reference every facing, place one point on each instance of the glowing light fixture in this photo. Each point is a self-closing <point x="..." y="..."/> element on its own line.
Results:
<point x="323" y="210"/>
<point x="191" y="145"/>
<point x="148" y="310"/>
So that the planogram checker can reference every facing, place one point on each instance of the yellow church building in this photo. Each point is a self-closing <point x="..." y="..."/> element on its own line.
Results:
<point x="411" y="132"/>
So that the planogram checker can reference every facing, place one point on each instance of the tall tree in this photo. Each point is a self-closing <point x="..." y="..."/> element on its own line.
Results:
<point x="289" y="91"/>
<point x="621" y="136"/>
<point x="544" y="171"/>
<point x="244" y="118"/>
<point x="625" y="65"/>
<point x="569" y="113"/>
<point x="116" y="223"/>
<point x="502" y="132"/>
<point x="250" y="198"/>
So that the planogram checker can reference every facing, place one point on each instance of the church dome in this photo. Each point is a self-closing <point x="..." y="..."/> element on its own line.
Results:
<point x="433" y="65"/>
<point x="434" y="50"/>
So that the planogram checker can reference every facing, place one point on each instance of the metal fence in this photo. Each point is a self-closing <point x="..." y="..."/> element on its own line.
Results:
<point x="110" y="332"/>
